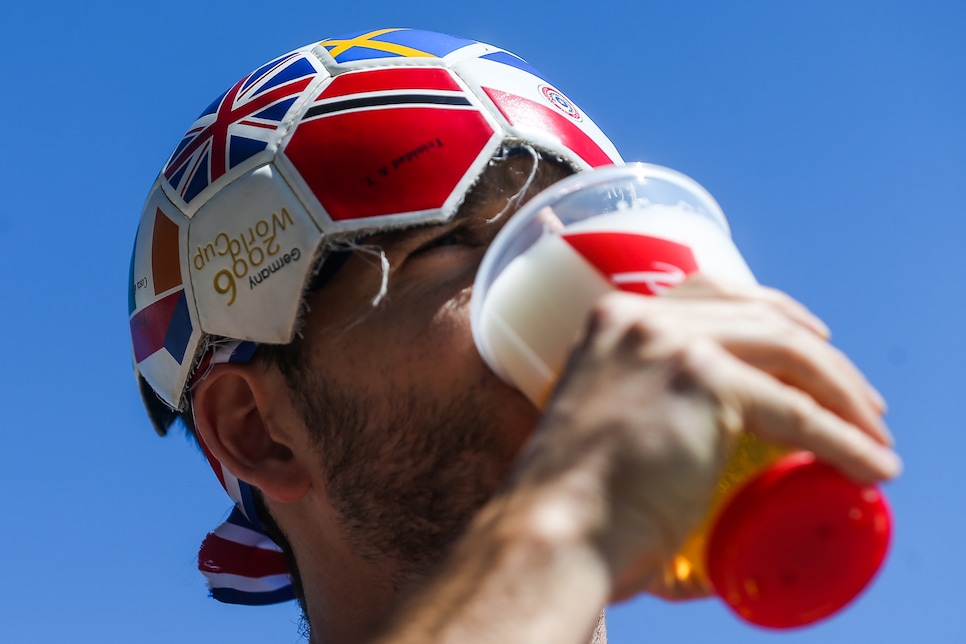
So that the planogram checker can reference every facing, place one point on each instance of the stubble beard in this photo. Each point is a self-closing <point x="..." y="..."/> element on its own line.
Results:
<point x="407" y="469"/>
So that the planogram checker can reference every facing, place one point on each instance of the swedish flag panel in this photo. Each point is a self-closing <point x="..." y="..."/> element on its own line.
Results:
<point x="392" y="43"/>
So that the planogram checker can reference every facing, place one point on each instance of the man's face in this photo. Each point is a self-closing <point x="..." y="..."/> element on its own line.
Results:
<point x="414" y="432"/>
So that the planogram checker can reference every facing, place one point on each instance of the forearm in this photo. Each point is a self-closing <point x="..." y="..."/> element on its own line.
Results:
<point x="527" y="571"/>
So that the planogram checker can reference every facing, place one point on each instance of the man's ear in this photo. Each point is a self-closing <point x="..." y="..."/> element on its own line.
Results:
<point x="244" y="415"/>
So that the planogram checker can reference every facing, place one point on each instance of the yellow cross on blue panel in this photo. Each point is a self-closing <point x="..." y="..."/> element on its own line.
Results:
<point x="392" y="43"/>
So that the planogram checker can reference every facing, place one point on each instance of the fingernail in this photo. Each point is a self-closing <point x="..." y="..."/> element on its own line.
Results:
<point x="890" y="439"/>
<point x="878" y="400"/>
<point x="819" y="327"/>
<point x="891" y="463"/>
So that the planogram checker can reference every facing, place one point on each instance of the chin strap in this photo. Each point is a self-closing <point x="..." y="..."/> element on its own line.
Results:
<point x="241" y="562"/>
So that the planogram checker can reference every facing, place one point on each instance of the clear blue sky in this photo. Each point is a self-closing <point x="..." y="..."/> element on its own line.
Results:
<point x="832" y="133"/>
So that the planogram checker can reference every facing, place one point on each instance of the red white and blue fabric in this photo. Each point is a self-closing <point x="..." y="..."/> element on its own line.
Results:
<point x="241" y="563"/>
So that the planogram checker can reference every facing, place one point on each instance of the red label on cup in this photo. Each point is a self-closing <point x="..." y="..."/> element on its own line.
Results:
<point x="635" y="263"/>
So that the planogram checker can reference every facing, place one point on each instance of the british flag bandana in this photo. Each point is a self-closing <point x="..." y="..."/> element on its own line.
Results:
<point x="240" y="561"/>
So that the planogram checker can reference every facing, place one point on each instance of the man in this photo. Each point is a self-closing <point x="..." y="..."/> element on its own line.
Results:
<point x="300" y="294"/>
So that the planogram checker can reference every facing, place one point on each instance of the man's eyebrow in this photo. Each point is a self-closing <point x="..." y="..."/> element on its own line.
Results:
<point x="469" y="209"/>
<point x="391" y="238"/>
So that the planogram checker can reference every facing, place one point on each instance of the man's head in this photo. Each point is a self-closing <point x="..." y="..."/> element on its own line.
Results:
<point x="386" y="408"/>
<point x="395" y="152"/>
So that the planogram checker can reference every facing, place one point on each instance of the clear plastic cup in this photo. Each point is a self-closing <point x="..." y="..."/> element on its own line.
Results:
<point x="644" y="228"/>
<point x="640" y="228"/>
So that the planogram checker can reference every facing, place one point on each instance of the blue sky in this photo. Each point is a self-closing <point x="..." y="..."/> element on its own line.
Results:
<point x="831" y="132"/>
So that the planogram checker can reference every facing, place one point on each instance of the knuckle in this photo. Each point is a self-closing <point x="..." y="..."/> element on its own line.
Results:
<point x="632" y="319"/>
<point x="691" y="363"/>
<point x="635" y="338"/>
<point x="804" y="414"/>
<point x="778" y="296"/>
<point x="607" y="311"/>
<point x="699" y="355"/>
<point x="766" y="313"/>
<point x="784" y="332"/>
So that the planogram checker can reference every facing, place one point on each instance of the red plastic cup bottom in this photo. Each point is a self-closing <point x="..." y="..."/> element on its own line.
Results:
<point x="797" y="543"/>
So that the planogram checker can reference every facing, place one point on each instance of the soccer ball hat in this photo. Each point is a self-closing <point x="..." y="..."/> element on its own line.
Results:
<point x="368" y="132"/>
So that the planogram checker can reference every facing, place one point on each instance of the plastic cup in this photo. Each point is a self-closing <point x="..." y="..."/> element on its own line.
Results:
<point x="640" y="228"/>
<point x="644" y="228"/>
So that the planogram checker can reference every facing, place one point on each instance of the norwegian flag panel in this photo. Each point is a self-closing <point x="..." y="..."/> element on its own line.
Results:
<point x="536" y="110"/>
<point x="237" y="126"/>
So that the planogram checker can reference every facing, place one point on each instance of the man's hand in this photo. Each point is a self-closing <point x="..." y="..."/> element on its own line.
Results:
<point x="627" y="455"/>
<point x="656" y="394"/>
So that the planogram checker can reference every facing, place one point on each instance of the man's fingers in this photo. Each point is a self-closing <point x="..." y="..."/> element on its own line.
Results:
<point x="704" y="286"/>
<point x="764" y="336"/>
<point x="783" y="382"/>
<point x="817" y="368"/>
<point x="785" y="415"/>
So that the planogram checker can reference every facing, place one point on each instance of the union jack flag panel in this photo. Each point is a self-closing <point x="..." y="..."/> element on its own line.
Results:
<point x="238" y="129"/>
